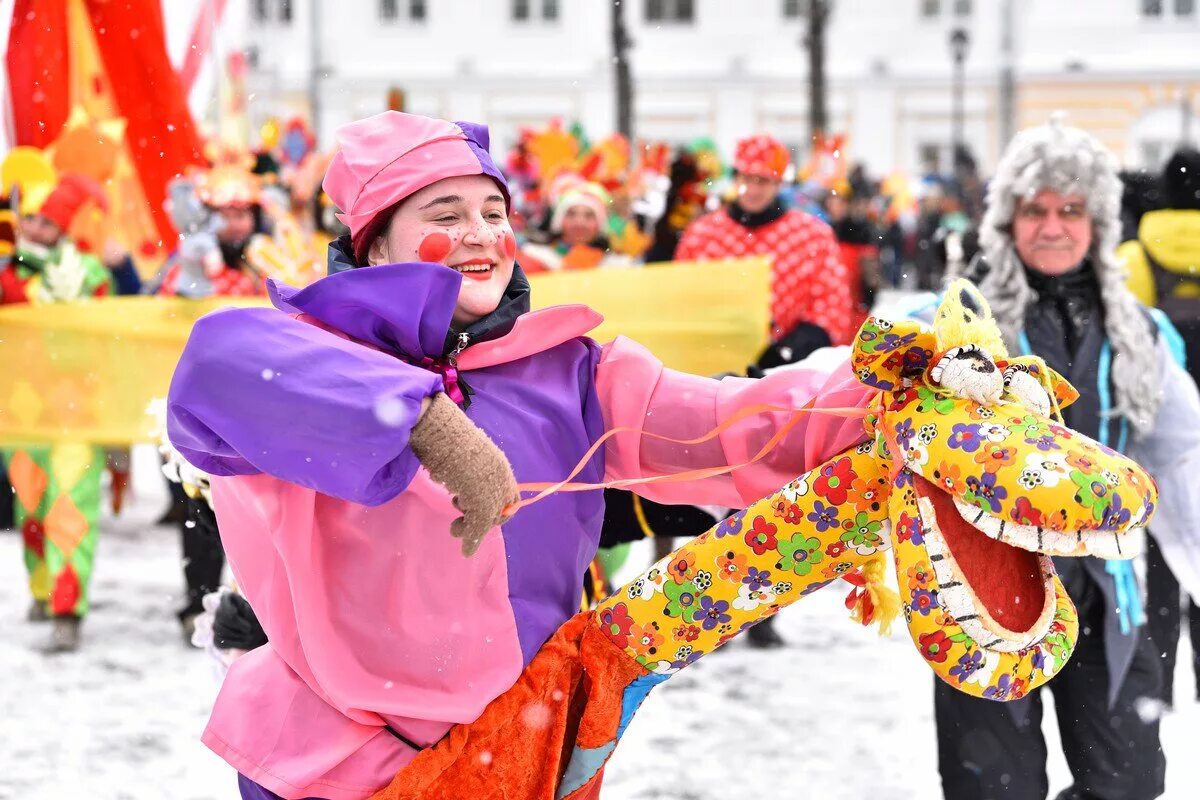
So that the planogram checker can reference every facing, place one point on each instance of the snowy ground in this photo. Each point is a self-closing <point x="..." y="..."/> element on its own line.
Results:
<point x="839" y="715"/>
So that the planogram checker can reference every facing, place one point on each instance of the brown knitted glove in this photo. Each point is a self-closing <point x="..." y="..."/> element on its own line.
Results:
<point x="462" y="458"/>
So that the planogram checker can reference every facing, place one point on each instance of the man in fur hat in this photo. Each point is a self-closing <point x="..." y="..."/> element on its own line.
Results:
<point x="1057" y="290"/>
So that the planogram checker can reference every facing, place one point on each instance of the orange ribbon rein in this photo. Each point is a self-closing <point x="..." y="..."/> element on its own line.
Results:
<point x="544" y="490"/>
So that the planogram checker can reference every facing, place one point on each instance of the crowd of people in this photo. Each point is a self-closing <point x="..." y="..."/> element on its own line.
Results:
<point x="1095" y="271"/>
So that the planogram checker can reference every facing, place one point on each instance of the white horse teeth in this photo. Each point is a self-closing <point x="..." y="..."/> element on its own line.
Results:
<point x="957" y="598"/>
<point x="1105" y="544"/>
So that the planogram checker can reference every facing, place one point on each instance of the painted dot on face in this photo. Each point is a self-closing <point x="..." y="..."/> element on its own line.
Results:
<point x="435" y="247"/>
<point x="510" y="245"/>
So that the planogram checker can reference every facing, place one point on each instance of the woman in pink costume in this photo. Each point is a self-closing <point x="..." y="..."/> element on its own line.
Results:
<point x="363" y="423"/>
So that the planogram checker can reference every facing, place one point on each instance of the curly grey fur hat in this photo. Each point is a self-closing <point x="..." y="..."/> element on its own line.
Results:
<point x="1068" y="160"/>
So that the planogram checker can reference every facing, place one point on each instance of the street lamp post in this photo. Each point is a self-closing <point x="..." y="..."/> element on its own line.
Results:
<point x="960" y="42"/>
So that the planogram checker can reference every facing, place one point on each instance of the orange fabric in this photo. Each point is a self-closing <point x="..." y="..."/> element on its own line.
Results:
<point x="570" y="695"/>
<point x="582" y="257"/>
<point x="29" y="481"/>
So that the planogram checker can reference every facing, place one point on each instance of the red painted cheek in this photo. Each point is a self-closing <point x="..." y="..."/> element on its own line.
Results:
<point x="510" y="245"/>
<point x="435" y="247"/>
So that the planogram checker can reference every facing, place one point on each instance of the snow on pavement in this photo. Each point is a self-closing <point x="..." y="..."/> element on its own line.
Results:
<point x="840" y="714"/>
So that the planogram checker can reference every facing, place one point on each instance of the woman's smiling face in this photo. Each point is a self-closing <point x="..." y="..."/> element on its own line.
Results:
<point x="461" y="223"/>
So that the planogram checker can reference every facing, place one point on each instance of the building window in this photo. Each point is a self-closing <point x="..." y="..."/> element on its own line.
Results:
<point x="1157" y="9"/>
<point x="285" y="11"/>
<point x="931" y="8"/>
<point x="670" y="11"/>
<point x="389" y="10"/>
<point x="794" y="9"/>
<point x="523" y="10"/>
<point x="962" y="8"/>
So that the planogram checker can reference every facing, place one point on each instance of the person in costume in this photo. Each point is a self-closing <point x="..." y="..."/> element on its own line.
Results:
<point x="218" y="212"/>
<point x="1164" y="265"/>
<point x="809" y="282"/>
<point x="338" y="425"/>
<point x="230" y="198"/>
<point x="56" y="487"/>
<point x="686" y="201"/>
<point x="1056" y="289"/>
<point x="579" y="231"/>
<point x="858" y="245"/>
<point x="46" y="265"/>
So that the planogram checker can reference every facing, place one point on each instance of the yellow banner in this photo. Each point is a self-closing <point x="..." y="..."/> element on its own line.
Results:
<point x="87" y="371"/>
<point x="702" y="318"/>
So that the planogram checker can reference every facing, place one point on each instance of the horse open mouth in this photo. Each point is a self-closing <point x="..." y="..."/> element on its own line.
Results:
<point x="1001" y="595"/>
<point x="1109" y="544"/>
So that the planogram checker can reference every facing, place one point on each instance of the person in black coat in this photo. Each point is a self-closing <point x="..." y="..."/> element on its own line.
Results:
<point x="1049" y="271"/>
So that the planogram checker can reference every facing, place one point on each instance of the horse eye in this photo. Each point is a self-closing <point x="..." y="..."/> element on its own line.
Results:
<point x="970" y="373"/>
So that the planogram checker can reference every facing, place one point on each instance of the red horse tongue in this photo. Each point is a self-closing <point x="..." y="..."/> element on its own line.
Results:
<point x="1006" y="579"/>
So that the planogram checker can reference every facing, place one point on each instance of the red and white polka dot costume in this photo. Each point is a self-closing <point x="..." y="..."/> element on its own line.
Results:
<point x="227" y="283"/>
<point x="809" y="282"/>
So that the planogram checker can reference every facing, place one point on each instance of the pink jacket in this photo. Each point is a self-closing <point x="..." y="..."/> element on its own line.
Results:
<point x="375" y="618"/>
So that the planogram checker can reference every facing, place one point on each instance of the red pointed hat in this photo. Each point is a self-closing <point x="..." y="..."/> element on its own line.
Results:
<point x="68" y="197"/>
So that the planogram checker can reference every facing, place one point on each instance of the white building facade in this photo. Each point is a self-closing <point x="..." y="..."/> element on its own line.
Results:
<point x="1124" y="69"/>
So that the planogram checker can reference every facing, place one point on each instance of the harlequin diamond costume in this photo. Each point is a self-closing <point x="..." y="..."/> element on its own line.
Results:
<point x="809" y="282"/>
<point x="56" y="487"/>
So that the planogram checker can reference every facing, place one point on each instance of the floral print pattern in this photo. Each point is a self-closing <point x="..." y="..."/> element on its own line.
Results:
<point x="740" y="572"/>
<point x="826" y="524"/>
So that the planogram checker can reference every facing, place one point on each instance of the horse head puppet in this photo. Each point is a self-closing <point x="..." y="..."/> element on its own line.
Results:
<point x="966" y="474"/>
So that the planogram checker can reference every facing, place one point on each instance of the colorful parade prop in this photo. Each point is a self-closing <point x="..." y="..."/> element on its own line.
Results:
<point x="964" y="475"/>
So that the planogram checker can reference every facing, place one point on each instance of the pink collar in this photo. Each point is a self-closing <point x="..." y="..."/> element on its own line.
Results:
<point x="534" y="332"/>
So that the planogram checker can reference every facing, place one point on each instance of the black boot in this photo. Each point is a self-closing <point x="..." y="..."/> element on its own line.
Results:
<point x="203" y="560"/>
<point x="177" y="511"/>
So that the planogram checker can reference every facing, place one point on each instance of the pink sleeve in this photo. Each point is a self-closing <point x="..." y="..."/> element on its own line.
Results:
<point x="636" y="391"/>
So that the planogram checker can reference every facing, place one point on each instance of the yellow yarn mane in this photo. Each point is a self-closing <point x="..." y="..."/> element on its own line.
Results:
<point x="884" y="599"/>
<point x="956" y="324"/>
